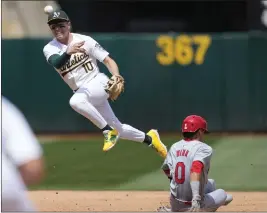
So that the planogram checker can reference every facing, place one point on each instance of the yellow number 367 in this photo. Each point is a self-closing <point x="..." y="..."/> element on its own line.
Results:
<point x="184" y="49"/>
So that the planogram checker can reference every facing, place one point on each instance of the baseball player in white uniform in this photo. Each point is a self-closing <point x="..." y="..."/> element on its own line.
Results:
<point x="187" y="166"/>
<point x="74" y="57"/>
<point x="22" y="162"/>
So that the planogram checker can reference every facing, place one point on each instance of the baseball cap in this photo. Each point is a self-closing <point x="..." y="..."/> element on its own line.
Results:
<point x="56" y="16"/>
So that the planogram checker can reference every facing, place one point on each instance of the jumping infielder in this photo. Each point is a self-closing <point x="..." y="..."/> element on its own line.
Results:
<point x="74" y="57"/>
<point x="187" y="166"/>
<point x="22" y="159"/>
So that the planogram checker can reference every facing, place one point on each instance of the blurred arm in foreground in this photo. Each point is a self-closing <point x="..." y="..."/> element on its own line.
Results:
<point x="22" y="159"/>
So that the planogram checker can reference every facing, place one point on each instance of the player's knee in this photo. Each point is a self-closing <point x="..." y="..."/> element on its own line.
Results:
<point x="75" y="102"/>
<point x="212" y="182"/>
<point x="222" y="197"/>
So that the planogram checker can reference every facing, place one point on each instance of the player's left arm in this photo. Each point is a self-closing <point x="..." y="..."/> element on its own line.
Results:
<point x="111" y="66"/>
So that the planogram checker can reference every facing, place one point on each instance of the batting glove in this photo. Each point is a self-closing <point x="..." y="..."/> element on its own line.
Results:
<point x="196" y="206"/>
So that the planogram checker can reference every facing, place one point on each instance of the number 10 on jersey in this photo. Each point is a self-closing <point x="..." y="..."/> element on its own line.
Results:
<point x="88" y="66"/>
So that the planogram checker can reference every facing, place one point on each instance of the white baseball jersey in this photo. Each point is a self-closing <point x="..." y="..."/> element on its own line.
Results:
<point x="179" y="160"/>
<point x="19" y="145"/>
<point x="81" y="67"/>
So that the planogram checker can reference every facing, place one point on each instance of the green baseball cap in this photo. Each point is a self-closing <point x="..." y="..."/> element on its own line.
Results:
<point x="57" y="16"/>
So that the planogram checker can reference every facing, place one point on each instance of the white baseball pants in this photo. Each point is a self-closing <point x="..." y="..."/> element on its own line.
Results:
<point x="91" y="101"/>
<point x="214" y="198"/>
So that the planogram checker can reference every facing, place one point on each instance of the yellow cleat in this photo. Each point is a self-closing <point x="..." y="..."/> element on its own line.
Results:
<point x="110" y="139"/>
<point x="157" y="144"/>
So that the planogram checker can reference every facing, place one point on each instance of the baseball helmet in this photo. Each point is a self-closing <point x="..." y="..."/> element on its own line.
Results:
<point x="192" y="123"/>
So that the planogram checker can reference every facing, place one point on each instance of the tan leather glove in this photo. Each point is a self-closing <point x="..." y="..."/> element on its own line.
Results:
<point x="115" y="87"/>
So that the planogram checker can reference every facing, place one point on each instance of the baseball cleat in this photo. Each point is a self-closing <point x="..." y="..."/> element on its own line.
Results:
<point x="164" y="209"/>
<point x="228" y="200"/>
<point x="110" y="139"/>
<point x="157" y="144"/>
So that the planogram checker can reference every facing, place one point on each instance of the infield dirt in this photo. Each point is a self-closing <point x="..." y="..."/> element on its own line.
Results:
<point x="131" y="201"/>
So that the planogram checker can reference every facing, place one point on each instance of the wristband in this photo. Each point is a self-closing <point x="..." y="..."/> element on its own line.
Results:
<point x="195" y="185"/>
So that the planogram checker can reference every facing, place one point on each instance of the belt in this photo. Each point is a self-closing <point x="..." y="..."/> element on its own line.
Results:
<point x="182" y="201"/>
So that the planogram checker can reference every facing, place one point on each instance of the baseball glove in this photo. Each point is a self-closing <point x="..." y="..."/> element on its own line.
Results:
<point x="115" y="86"/>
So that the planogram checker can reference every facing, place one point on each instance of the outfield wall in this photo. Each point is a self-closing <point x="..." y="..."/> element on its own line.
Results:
<point x="220" y="76"/>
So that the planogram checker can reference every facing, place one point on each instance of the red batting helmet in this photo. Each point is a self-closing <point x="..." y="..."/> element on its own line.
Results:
<point x="192" y="123"/>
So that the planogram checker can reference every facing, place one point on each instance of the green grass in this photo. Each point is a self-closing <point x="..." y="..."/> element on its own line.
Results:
<point x="132" y="166"/>
<point x="241" y="163"/>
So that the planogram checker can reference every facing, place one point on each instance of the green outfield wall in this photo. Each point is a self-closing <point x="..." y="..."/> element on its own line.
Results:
<point x="220" y="76"/>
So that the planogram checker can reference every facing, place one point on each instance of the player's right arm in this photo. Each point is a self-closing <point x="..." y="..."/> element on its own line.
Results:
<point x="201" y="160"/>
<point x="57" y="60"/>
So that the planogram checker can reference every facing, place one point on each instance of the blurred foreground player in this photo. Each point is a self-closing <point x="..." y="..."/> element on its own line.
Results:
<point x="187" y="166"/>
<point x="22" y="161"/>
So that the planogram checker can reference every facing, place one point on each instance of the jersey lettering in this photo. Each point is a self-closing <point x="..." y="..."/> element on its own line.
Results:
<point x="73" y="63"/>
<point x="182" y="152"/>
